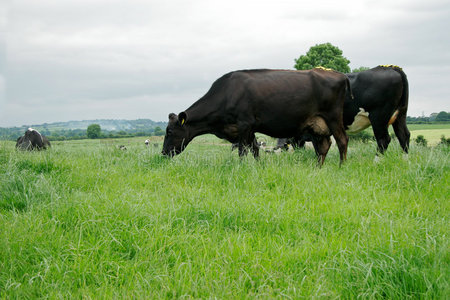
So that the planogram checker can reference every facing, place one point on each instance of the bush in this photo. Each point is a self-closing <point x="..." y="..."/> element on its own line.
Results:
<point x="421" y="141"/>
<point x="362" y="136"/>
<point x="444" y="141"/>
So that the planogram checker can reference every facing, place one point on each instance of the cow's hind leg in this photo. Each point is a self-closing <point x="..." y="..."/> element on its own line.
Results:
<point x="380" y="125"/>
<point x="341" y="138"/>
<point x="321" y="146"/>
<point x="402" y="132"/>
<point x="382" y="136"/>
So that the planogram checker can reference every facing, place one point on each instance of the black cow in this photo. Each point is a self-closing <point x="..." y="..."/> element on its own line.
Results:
<point x="278" y="103"/>
<point x="32" y="140"/>
<point x="380" y="99"/>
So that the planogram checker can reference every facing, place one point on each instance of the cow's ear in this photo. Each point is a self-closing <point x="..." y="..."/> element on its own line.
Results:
<point x="182" y="118"/>
<point x="172" y="116"/>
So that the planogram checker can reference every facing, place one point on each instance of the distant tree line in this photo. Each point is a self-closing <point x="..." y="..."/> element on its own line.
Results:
<point x="78" y="134"/>
<point x="434" y="118"/>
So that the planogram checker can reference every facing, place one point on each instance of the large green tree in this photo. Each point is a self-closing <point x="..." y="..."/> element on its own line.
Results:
<point x="323" y="55"/>
<point x="360" y="69"/>
<point x="93" y="131"/>
<point x="442" y="117"/>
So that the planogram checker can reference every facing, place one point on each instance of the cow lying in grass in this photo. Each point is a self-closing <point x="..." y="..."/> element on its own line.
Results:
<point x="32" y="140"/>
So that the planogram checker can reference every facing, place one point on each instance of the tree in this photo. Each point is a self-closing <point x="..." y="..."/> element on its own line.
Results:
<point x="360" y="69"/>
<point x="323" y="55"/>
<point x="442" y="117"/>
<point x="93" y="131"/>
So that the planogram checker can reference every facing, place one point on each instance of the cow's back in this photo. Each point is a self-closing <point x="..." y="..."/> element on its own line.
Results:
<point x="373" y="88"/>
<point x="282" y="102"/>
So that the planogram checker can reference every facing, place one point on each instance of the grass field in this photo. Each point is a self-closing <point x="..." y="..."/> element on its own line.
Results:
<point x="431" y="132"/>
<point x="86" y="220"/>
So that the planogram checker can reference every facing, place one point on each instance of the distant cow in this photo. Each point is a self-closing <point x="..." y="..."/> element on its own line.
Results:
<point x="32" y="140"/>
<point x="380" y="99"/>
<point x="147" y="142"/>
<point x="261" y="145"/>
<point x="278" y="103"/>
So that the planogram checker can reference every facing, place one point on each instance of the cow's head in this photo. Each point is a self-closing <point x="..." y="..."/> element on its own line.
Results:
<point x="34" y="137"/>
<point x="176" y="137"/>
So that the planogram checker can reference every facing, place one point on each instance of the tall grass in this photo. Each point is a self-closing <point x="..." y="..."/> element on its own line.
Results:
<point x="86" y="219"/>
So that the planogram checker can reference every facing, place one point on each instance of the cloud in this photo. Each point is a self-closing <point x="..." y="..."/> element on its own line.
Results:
<point x="76" y="58"/>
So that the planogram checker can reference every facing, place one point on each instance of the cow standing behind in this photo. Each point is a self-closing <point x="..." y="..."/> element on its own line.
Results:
<point x="32" y="140"/>
<point x="278" y="103"/>
<point x="380" y="99"/>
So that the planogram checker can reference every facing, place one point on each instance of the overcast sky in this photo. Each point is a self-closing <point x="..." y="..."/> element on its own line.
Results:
<point x="92" y="59"/>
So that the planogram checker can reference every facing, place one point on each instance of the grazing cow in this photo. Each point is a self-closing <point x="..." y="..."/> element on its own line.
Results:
<point x="278" y="103"/>
<point x="380" y="99"/>
<point x="32" y="140"/>
<point x="147" y="142"/>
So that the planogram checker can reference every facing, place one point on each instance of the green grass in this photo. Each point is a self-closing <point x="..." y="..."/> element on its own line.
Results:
<point x="432" y="136"/>
<point x="431" y="132"/>
<point x="85" y="219"/>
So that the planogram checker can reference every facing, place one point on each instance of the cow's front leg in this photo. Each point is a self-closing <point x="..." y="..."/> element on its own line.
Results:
<point x="248" y="141"/>
<point x="242" y="149"/>
<point x="255" y="147"/>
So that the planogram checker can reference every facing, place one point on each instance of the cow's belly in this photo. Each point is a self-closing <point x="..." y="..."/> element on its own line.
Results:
<point x="314" y="125"/>
<point x="360" y="122"/>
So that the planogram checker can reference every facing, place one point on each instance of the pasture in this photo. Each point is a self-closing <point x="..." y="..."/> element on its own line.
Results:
<point x="431" y="132"/>
<point x="87" y="220"/>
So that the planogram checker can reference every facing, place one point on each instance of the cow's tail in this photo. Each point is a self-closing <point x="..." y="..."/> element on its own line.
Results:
<point x="403" y="105"/>
<point x="399" y="122"/>
<point x="349" y="88"/>
<point x="405" y="93"/>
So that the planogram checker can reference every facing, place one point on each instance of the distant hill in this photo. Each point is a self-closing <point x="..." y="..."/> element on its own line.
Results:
<point x="78" y="128"/>
<point x="105" y="124"/>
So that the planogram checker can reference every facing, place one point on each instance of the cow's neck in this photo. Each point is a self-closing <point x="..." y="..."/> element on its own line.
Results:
<point x="199" y="126"/>
<point x="201" y="118"/>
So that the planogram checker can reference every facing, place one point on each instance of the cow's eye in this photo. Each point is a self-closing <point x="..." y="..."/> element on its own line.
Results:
<point x="169" y="131"/>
